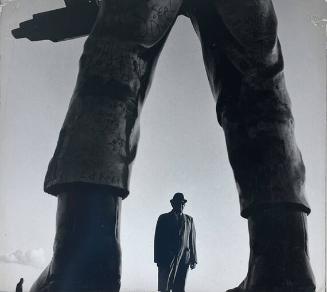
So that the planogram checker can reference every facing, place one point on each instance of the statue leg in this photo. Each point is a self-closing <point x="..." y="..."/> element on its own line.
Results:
<point x="245" y="68"/>
<point x="86" y="252"/>
<point x="89" y="172"/>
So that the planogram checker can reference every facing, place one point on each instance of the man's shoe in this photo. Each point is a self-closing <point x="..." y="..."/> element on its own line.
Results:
<point x="279" y="260"/>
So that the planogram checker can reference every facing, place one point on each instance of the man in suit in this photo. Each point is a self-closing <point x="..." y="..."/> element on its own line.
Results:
<point x="174" y="246"/>
<point x="19" y="286"/>
<point x="91" y="167"/>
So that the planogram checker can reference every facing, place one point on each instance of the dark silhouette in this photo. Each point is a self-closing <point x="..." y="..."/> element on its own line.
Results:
<point x="75" y="20"/>
<point x="19" y="286"/>
<point x="174" y="246"/>
<point x="91" y="167"/>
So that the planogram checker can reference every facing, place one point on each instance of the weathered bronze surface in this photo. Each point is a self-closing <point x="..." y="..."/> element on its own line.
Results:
<point x="244" y="63"/>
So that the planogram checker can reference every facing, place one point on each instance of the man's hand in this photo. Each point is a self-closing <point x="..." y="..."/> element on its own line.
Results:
<point x="192" y="266"/>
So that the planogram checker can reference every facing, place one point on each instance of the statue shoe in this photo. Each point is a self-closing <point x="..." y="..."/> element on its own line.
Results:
<point x="86" y="252"/>
<point x="279" y="260"/>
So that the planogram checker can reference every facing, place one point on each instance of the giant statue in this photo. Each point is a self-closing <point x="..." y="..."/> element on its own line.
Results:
<point x="90" y="169"/>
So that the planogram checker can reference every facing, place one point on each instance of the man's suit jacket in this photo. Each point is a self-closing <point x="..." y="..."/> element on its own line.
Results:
<point x="174" y="238"/>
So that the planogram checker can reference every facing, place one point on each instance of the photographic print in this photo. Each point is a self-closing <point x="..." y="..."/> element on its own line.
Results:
<point x="163" y="145"/>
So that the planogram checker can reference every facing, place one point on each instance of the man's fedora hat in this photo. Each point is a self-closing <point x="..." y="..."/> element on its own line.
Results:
<point x="178" y="197"/>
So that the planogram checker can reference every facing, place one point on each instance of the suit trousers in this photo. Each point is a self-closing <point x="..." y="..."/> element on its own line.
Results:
<point x="243" y="59"/>
<point x="179" y="282"/>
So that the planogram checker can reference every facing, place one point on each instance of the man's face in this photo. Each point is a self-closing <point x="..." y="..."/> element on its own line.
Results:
<point x="178" y="206"/>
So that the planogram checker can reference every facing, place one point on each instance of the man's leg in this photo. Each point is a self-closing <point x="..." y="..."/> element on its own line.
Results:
<point x="180" y="279"/>
<point x="245" y="69"/>
<point x="90" y="170"/>
<point x="163" y="278"/>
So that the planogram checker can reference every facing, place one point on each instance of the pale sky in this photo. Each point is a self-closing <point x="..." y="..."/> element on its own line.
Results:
<point x="182" y="148"/>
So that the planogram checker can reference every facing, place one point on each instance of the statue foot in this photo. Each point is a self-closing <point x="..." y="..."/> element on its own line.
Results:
<point x="279" y="260"/>
<point x="86" y="253"/>
<point x="48" y="282"/>
<point x="241" y="288"/>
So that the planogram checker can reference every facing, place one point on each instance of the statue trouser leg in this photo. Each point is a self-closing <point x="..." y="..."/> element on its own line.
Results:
<point x="90" y="169"/>
<point x="245" y="68"/>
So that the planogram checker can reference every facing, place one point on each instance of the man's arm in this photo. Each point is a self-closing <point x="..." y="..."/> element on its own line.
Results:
<point x="157" y="241"/>
<point x="193" y="255"/>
